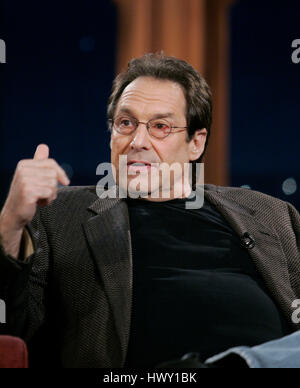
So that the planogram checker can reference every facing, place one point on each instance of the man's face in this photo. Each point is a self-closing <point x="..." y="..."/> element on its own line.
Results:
<point x="145" y="99"/>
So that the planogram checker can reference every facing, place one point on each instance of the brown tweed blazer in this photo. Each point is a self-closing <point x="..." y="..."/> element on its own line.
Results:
<point x="74" y="294"/>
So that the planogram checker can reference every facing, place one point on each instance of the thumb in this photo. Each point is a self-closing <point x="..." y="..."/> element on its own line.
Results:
<point x="41" y="152"/>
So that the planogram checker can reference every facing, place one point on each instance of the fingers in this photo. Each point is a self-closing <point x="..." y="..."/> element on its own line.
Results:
<point x="41" y="152"/>
<point x="42" y="168"/>
<point x="62" y="176"/>
<point x="34" y="183"/>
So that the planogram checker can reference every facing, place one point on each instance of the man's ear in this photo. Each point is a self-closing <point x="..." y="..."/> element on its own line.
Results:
<point x="197" y="144"/>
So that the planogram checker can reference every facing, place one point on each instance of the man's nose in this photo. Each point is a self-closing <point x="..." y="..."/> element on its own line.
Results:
<point x="141" y="138"/>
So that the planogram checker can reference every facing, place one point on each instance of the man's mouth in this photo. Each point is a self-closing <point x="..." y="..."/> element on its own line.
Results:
<point x="138" y="165"/>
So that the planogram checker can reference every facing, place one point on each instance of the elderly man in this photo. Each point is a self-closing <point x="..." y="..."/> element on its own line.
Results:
<point x="142" y="280"/>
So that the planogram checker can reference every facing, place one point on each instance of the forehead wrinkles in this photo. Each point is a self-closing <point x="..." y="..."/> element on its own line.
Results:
<point x="133" y="97"/>
<point x="164" y="95"/>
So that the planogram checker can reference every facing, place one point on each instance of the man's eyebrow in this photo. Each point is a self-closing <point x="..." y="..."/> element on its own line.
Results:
<point x="154" y="116"/>
<point x="163" y="115"/>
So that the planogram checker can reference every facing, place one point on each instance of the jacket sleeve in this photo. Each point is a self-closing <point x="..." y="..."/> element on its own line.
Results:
<point x="23" y="285"/>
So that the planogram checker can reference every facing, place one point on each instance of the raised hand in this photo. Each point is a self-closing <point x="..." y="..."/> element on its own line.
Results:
<point x="34" y="184"/>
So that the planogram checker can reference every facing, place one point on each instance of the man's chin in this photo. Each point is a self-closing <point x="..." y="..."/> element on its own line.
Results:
<point x="141" y="187"/>
<point x="142" y="192"/>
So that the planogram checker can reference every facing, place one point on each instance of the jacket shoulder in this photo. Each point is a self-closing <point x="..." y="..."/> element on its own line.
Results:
<point x="248" y="197"/>
<point x="69" y="192"/>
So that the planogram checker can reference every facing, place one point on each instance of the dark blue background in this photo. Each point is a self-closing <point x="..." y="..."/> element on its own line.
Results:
<point x="265" y="100"/>
<point x="56" y="82"/>
<point x="60" y="66"/>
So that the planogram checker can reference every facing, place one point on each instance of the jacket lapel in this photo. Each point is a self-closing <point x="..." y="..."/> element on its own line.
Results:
<point x="108" y="235"/>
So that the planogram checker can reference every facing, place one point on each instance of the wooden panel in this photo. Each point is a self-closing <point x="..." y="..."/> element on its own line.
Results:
<point x="217" y="75"/>
<point x="175" y="26"/>
<point x="134" y="30"/>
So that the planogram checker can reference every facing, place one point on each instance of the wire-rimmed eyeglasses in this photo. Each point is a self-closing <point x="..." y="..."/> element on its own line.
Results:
<point x="158" y="128"/>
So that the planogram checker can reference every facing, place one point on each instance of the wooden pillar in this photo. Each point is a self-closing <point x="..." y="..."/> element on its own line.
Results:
<point x="196" y="31"/>
<point x="217" y="75"/>
<point x="175" y="26"/>
<point x="134" y="30"/>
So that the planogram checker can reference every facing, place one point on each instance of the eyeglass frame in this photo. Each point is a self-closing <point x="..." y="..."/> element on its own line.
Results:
<point x="111" y="126"/>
